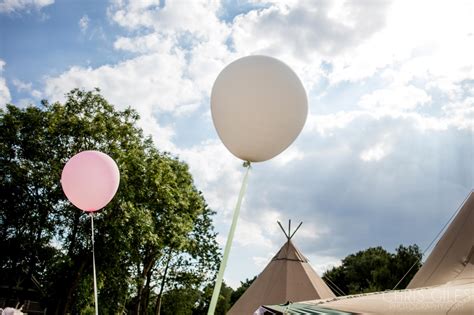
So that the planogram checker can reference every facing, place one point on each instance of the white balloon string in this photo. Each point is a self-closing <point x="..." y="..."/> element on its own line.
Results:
<point x="230" y="237"/>
<point x="93" y="265"/>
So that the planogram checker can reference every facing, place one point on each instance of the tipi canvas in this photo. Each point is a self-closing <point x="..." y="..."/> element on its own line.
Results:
<point x="288" y="277"/>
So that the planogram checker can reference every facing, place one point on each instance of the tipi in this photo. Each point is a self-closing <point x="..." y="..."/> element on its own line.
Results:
<point x="288" y="277"/>
<point x="443" y="285"/>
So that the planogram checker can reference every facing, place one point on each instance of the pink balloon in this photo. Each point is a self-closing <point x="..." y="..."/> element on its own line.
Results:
<point x="90" y="180"/>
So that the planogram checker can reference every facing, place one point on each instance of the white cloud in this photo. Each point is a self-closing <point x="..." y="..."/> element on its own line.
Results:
<point x="262" y="261"/>
<point x="5" y="96"/>
<point x="154" y="42"/>
<point x="322" y="263"/>
<point x="416" y="45"/>
<point x="25" y="102"/>
<point x="252" y="233"/>
<point x="173" y="17"/>
<point x="151" y="84"/>
<point x="307" y="29"/>
<point x="291" y="154"/>
<point x="461" y="114"/>
<point x="162" y="135"/>
<point x="258" y="228"/>
<point x="216" y="172"/>
<point x="28" y="88"/>
<point x="177" y="27"/>
<point x="84" y="23"/>
<point x="395" y="99"/>
<point x="324" y="124"/>
<point x="375" y="153"/>
<point x="337" y="189"/>
<point x="9" y="6"/>
<point x="21" y="86"/>
<point x="312" y="232"/>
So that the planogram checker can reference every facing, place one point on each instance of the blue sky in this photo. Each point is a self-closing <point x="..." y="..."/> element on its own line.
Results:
<point x="386" y="154"/>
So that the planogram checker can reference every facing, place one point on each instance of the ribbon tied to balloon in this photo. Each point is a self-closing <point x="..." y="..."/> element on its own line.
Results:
<point x="90" y="180"/>
<point x="259" y="106"/>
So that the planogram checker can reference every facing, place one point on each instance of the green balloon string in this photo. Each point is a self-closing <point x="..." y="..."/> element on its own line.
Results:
<point x="228" y="245"/>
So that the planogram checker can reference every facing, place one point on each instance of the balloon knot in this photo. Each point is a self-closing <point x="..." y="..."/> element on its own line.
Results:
<point x="247" y="164"/>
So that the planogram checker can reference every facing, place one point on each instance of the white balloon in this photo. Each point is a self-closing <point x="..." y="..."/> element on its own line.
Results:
<point x="258" y="106"/>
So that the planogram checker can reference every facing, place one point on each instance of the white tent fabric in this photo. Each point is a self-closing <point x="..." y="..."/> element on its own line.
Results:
<point x="453" y="256"/>
<point x="288" y="277"/>
<point x="437" y="300"/>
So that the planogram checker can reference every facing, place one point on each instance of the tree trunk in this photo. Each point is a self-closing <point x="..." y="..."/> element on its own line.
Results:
<point x="72" y="243"/>
<point x="146" y="296"/>
<point x="162" y="286"/>
<point x="141" y="287"/>
<point x="33" y="254"/>
<point x="72" y="287"/>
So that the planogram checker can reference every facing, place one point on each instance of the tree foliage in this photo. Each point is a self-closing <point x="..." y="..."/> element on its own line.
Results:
<point x="155" y="235"/>
<point x="244" y="285"/>
<point x="374" y="269"/>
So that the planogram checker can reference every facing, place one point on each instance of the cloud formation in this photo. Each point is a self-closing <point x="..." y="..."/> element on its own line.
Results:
<point x="84" y="23"/>
<point x="5" y="96"/>
<point x="388" y="141"/>
<point x="10" y="6"/>
<point x="308" y="29"/>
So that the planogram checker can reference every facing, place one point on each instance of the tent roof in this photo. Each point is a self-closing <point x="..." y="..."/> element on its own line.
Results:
<point x="289" y="252"/>
<point x="447" y="299"/>
<point x="288" y="277"/>
<point x="453" y="256"/>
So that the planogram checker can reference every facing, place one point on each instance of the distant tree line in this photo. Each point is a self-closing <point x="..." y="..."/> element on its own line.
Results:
<point x="374" y="269"/>
<point x="155" y="242"/>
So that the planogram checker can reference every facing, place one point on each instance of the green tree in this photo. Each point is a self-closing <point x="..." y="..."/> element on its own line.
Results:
<point x="223" y="302"/>
<point x="374" y="269"/>
<point x="179" y="301"/>
<point x="244" y="285"/>
<point x="193" y="265"/>
<point x="156" y="211"/>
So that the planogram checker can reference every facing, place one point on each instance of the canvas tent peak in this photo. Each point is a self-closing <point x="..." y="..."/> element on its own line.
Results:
<point x="288" y="234"/>
<point x="287" y="277"/>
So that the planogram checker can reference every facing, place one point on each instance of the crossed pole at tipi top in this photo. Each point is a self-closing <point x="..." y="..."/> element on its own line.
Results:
<point x="289" y="235"/>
